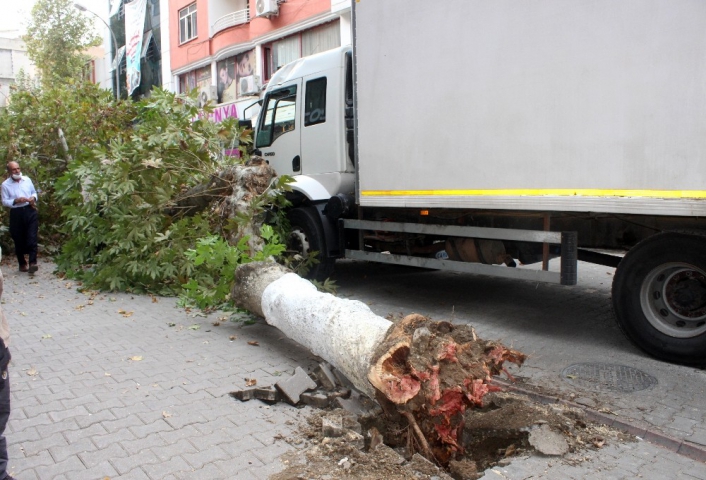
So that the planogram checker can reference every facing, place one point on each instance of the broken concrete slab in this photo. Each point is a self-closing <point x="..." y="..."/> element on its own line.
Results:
<point x="267" y="395"/>
<point x="291" y="388"/>
<point x="426" y="467"/>
<point x="358" y="406"/>
<point x="388" y="455"/>
<point x="586" y="402"/>
<point x="463" y="470"/>
<point x="243" y="395"/>
<point x="351" y="423"/>
<point x="341" y="378"/>
<point x="547" y="441"/>
<point x="325" y="377"/>
<point x="332" y="426"/>
<point x="317" y="400"/>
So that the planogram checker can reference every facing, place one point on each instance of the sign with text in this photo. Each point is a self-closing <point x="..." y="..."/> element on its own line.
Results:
<point x="134" y="28"/>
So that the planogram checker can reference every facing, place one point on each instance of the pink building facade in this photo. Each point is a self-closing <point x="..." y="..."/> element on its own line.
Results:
<point x="229" y="49"/>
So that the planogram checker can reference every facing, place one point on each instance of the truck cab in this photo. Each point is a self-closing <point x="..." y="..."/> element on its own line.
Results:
<point x="305" y="126"/>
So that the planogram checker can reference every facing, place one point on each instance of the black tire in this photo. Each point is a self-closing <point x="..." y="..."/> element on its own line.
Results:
<point x="659" y="296"/>
<point x="307" y="235"/>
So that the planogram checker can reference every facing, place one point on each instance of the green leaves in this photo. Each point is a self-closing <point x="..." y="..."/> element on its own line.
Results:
<point x="107" y="195"/>
<point x="30" y="134"/>
<point x="115" y="197"/>
<point x="214" y="262"/>
<point x="57" y="38"/>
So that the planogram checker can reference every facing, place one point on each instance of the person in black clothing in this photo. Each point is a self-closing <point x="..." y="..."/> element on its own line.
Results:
<point x="4" y="388"/>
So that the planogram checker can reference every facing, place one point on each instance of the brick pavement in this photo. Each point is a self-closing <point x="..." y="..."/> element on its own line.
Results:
<point x="83" y="409"/>
<point x="85" y="406"/>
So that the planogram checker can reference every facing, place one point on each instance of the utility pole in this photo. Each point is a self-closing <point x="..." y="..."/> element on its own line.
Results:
<point x="80" y="7"/>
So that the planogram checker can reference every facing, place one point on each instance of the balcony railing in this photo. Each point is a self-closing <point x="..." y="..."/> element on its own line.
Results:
<point x="230" y="20"/>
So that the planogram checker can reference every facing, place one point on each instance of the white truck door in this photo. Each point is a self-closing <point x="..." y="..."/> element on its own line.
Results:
<point x="278" y="134"/>
<point x="321" y="128"/>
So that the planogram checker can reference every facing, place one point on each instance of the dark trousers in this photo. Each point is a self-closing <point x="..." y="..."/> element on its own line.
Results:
<point x="4" y="416"/>
<point x="24" y="224"/>
<point x="4" y="408"/>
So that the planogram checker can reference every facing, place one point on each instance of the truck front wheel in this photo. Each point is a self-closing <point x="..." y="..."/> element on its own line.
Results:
<point x="659" y="296"/>
<point x="306" y="236"/>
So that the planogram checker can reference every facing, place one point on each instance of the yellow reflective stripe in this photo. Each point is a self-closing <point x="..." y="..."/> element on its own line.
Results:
<point x="560" y="192"/>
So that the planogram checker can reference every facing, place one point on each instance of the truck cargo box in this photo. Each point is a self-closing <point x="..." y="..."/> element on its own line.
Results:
<point x="593" y="106"/>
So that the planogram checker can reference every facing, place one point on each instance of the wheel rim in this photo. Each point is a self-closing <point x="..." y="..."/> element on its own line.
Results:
<point x="299" y="242"/>
<point x="673" y="298"/>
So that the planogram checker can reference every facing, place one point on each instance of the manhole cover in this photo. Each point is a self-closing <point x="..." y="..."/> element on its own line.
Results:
<point x="605" y="376"/>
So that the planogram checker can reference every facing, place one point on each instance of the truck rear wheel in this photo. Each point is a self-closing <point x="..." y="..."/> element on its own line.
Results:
<point x="659" y="296"/>
<point x="306" y="236"/>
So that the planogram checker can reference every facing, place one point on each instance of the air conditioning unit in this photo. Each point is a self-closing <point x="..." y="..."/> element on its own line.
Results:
<point x="250" y="85"/>
<point x="265" y="8"/>
<point x="207" y="94"/>
<point x="212" y="92"/>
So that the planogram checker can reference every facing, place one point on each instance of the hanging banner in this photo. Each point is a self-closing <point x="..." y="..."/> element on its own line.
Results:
<point x="115" y="7"/>
<point x="134" y="28"/>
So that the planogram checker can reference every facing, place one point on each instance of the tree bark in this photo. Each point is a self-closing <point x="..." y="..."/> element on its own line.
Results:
<point x="343" y="332"/>
<point x="234" y="188"/>
<point x="198" y="198"/>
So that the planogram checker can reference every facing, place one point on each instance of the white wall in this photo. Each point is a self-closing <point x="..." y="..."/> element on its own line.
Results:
<point x="169" y="81"/>
<point x="19" y="61"/>
<point x="102" y="55"/>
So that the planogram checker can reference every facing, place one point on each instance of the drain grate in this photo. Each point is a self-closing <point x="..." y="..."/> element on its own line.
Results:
<point x="608" y="377"/>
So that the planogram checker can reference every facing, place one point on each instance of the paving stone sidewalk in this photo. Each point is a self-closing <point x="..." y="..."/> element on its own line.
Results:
<point x="141" y="394"/>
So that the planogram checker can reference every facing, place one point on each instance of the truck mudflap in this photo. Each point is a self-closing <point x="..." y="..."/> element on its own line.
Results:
<point x="568" y="240"/>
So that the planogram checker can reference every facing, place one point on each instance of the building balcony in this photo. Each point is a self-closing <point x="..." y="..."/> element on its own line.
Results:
<point x="228" y="20"/>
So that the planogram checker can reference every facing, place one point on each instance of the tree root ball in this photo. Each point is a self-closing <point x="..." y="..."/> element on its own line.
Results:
<point x="432" y="372"/>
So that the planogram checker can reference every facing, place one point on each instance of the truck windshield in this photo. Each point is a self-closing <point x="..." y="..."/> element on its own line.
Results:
<point x="278" y="117"/>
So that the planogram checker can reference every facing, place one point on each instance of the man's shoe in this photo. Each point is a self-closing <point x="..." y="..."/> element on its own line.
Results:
<point x="33" y="268"/>
<point x="24" y="268"/>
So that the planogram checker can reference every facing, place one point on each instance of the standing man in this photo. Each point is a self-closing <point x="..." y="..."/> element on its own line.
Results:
<point x="19" y="195"/>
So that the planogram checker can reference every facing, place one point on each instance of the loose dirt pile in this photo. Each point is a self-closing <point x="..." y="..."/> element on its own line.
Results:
<point x="507" y="426"/>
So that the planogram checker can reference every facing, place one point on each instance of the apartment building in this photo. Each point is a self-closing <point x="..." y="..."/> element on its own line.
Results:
<point x="153" y="34"/>
<point x="13" y="59"/>
<point x="229" y="49"/>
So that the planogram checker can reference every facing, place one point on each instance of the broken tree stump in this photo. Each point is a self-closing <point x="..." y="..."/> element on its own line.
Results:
<point x="234" y="188"/>
<point x="430" y="372"/>
<point x="433" y="372"/>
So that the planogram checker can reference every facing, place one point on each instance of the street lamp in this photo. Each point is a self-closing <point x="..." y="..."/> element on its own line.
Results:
<point x="80" y="7"/>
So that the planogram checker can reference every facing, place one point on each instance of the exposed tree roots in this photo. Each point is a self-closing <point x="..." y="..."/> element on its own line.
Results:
<point x="433" y="372"/>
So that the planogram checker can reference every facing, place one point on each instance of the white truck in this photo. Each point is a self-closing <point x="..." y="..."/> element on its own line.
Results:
<point x="468" y="134"/>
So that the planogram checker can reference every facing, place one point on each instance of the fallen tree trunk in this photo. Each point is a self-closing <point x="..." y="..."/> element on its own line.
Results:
<point x="428" y="372"/>
<point x="343" y="332"/>
<point x="233" y="191"/>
